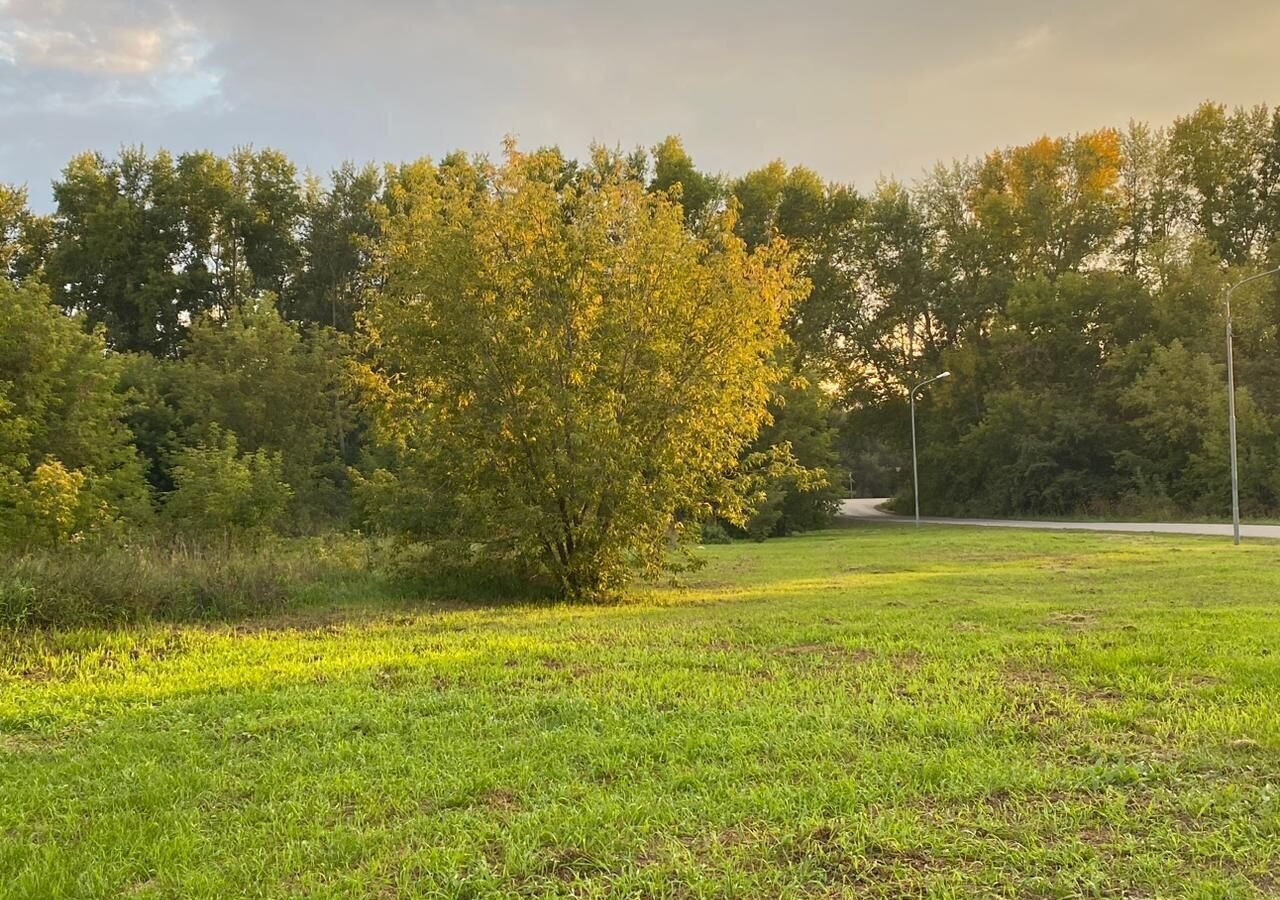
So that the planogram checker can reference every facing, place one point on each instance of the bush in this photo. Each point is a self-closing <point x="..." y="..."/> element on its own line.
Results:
<point x="17" y="598"/>
<point x="713" y="532"/>
<point x="803" y="496"/>
<point x="219" y="491"/>
<point x="278" y="387"/>
<point x="49" y="507"/>
<point x="576" y="371"/>
<point x="67" y="465"/>
<point x="467" y="570"/>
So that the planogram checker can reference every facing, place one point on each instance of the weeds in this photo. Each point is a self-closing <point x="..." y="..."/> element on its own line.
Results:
<point x="104" y="584"/>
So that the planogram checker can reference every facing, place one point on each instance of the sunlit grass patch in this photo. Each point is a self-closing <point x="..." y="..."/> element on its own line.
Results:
<point x="873" y="711"/>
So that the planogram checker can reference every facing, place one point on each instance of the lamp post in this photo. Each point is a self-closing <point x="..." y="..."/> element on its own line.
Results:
<point x="1231" y="407"/>
<point x="915" y="468"/>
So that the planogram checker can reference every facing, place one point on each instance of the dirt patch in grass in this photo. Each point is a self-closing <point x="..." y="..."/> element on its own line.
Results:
<point x="1201" y="680"/>
<point x="747" y="838"/>
<point x="704" y="845"/>
<point x="1072" y="619"/>
<point x="392" y="678"/>
<point x="173" y="644"/>
<point x="872" y="569"/>
<point x="575" y="671"/>
<point x="320" y="619"/>
<point x="848" y="862"/>
<point x="1097" y="837"/>
<point x="568" y="864"/>
<point x="25" y="743"/>
<point x="1244" y="745"/>
<point x="138" y="888"/>
<point x="1059" y="566"/>
<point x="1266" y="883"/>
<point x="501" y="800"/>
<point x="829" y="653"/>
<point x="1043" y="695"/>
<point x="1040" y="679"/>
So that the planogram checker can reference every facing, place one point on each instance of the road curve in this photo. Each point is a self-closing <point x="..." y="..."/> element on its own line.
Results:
<point x="867" y="509"/>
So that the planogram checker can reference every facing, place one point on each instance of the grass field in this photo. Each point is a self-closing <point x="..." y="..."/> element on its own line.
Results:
<point x="873" y="711"/>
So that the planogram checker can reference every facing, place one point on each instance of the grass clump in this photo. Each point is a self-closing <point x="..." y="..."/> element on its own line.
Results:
<point x="107" y="583"/>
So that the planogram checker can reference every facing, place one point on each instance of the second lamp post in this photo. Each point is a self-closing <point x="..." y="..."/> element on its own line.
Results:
<point x="915" y="469"/>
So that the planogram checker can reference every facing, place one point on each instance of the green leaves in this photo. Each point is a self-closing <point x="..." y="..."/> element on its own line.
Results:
<point x="221" y="492"/>
<point x="553" y="338"/>
<point x="24" y="236"/>
<point x="67" y="467"/>
<point x="143" y="244"/>
<point x="577" y="369"/>
<point x="1059" y="279"/>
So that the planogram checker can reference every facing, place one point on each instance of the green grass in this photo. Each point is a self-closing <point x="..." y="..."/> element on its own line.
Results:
<point x="872" y="711"/>
<point x="1121" y="514"/>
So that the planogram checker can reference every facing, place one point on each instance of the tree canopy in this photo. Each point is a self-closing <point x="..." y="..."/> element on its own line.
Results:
<point x="576" y="369"/>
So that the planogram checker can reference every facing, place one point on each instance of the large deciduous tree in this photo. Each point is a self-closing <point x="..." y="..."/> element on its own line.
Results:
<point x="144" y="244"/>
<point x="576" y="372"/>
<point x="118" y="224"/>
<point x="339" y="231"/>
<point x="675" y="174"/>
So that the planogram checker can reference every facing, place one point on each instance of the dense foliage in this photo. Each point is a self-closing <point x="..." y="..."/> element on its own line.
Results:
<point x="1075" y="287"/>
<point x="67" y="466"/>
<point x="573" y="370"/>
<point x="182" y="342"/>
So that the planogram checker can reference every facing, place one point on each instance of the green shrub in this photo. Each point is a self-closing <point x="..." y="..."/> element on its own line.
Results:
<point x="804" y="495"/>
<point x="714" y="532"/>
<point x="279" y="387"/>
<point x="48" y="507"/>
<point x="219" y="491"/>
<point x="558" y="407"/>
<point x="466" y="570"/>
<point x="67" y="465"/>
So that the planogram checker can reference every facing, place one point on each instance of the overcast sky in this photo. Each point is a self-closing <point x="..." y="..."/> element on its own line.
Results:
<point x="854" y="89"/>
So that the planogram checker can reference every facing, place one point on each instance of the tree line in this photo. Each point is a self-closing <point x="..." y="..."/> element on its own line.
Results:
<point x="1074" y="287"/>
<point x="540" y="358"/>
<point x="535" y="364"/>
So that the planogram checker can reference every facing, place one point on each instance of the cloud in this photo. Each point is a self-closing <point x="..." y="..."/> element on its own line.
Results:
<point x="853" y="88"/>
<point x="118" y="51"/>
<point x="1033" y="39"/>
<point x="72" y="54"/>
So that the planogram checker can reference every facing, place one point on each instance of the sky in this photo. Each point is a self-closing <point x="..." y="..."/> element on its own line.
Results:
<point x="856" y="90"/>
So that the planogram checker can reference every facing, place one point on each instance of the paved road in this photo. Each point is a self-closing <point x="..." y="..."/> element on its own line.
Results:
<point x="866" y="509"/>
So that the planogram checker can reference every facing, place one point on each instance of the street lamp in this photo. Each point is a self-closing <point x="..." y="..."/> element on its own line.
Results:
<point x="1231" y="407"/>
<point x="915" y="469"/>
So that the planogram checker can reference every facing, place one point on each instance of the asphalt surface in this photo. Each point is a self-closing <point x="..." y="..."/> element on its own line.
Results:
<point x="866" y="510"/>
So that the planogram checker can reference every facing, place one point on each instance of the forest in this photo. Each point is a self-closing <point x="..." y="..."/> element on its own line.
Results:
<point x="560" y="369"/>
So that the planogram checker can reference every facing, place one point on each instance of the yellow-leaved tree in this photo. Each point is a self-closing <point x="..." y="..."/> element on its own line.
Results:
<point x="567" y="372"/>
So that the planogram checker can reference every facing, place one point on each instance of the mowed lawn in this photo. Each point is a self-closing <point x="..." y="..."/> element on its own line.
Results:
<point x="870" y="711"/>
